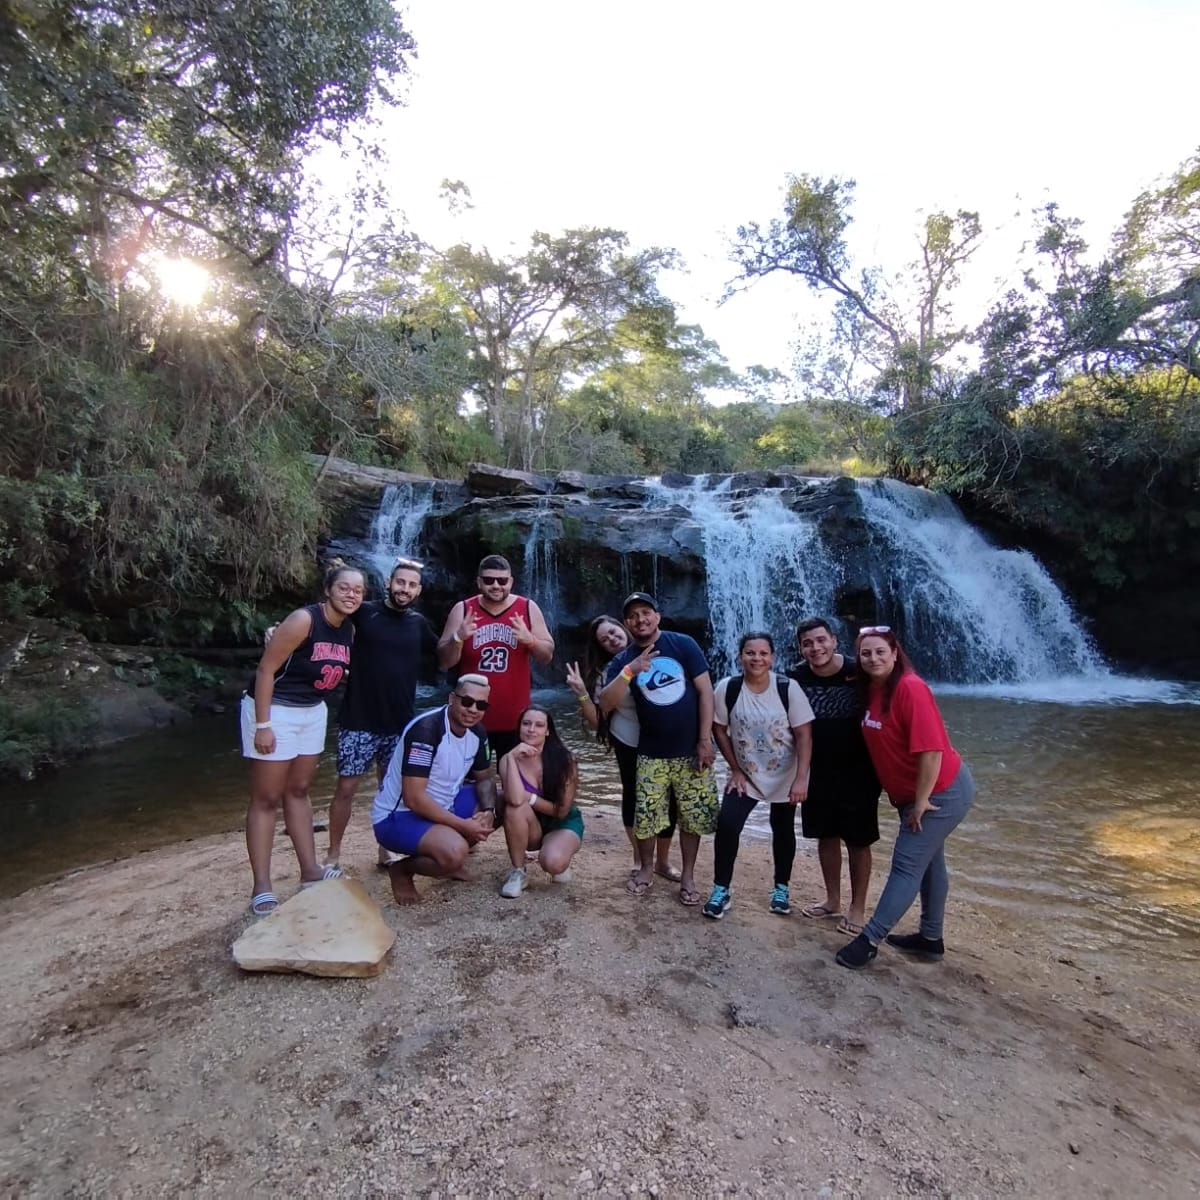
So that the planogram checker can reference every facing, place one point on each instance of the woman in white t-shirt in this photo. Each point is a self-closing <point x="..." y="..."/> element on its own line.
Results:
<point x="763" y="725"/>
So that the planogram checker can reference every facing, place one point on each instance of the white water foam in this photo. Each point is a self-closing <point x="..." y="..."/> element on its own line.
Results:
<point x="978" y="613"/>
<point x="766" y="565"/>
<point x="396" y="530"/>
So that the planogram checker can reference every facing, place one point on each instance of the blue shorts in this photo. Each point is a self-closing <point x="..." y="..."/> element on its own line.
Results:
<point x="358" y="750"/>
<point x="401" y="832"/>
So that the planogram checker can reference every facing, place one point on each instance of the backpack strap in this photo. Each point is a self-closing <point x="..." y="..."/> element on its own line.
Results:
<point x="733" y="689"/>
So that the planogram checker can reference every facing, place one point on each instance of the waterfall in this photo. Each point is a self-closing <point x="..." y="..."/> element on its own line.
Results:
<point x="968" y="611"/>
<point x="766" y="566"/>
<point x="978" y="613"/>
<point x="540" y="576"/>
<point x="396" y="530"/>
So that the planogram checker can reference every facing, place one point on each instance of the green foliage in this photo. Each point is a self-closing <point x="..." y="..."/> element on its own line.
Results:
<point x="898" y="327"/>
<point x="34" y="735"/>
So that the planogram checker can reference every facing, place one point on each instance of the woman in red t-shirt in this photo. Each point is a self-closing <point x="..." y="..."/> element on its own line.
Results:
<point x="926" y="779"/>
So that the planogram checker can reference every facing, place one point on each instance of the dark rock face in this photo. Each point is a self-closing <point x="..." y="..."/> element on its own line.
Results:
<point x="594" y="534"/>
<point x="483" y="480"/>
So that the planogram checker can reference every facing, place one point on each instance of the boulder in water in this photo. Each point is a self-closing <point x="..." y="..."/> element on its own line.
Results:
<point x="334" y="929"/>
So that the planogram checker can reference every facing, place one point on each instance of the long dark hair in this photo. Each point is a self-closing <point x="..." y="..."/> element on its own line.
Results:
<point x="903" y="664"/>
<point x="595" y="659"/>
<point x="558" y="763"/>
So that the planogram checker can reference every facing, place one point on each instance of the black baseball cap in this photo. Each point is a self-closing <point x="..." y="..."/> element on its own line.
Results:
<point x="638" y="598"/>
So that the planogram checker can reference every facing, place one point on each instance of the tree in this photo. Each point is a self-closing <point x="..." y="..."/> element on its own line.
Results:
<point x="128" y="123"/>
<point x="150" y="463"/>
<point x="651" y="391"/>
<point x="537" y="320"/>
<point x="900" y="327"/>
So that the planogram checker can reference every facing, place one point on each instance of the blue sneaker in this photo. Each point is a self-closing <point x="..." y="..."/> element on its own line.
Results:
<point x="779" y="900"/>
<point x="718" y="903"/>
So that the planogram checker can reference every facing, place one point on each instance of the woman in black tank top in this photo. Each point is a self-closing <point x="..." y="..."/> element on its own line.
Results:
<point x="283" y="726"/>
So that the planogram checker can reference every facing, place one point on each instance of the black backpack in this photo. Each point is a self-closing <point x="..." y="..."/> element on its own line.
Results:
<point x="734" y="689"/>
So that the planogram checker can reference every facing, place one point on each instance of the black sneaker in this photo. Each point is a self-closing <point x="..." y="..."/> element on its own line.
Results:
<point x="856" y="954"/>
<point x="927" y="949"/>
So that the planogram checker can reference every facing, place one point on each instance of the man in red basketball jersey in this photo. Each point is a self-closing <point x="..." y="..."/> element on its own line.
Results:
<point x="495" y="634"/>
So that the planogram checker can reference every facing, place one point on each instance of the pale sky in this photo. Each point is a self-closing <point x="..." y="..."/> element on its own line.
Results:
<point x="678" y="121"/>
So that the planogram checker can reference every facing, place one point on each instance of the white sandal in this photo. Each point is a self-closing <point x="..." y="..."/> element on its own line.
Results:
<point x="330" y="873"/>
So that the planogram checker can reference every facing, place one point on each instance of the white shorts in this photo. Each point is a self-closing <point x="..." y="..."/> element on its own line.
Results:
<point x="297" y="731"/>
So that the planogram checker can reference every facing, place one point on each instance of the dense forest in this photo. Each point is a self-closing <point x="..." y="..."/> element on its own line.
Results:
<point x="155" y="164"/>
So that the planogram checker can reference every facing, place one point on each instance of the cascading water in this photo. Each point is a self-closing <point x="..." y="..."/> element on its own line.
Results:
<point x="540" y="577"/>
<point x="396" y="530"/>
<point x="968" y="611"/>
<point x="978" y="613"/>
<point x="766" y="565"/>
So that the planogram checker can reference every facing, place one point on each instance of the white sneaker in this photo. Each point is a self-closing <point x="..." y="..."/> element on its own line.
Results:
<point x="514" y="885"/>
<point x="563" y="876"/>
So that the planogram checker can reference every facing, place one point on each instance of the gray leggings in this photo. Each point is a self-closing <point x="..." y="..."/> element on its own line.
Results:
<point x="919" y="863"/>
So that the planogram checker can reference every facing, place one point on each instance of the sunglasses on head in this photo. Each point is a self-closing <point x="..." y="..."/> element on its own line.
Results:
<point x="471" y="702"/>
<point x="874" y="629"/>
<point x="492" y="580"/>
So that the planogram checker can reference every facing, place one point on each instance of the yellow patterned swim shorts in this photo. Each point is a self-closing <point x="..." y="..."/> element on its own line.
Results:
<point x="695" y="795"/>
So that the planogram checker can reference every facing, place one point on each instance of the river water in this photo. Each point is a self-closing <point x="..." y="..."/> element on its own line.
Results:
<point x="1088" y="816"/>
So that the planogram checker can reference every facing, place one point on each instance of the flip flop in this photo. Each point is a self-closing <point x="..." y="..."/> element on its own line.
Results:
<point x="688" y="898"/>
<point x="849" y="927"/>
<point x="330" y="873"/>
<point x="264" y="904"/>
<point x="668" y="872"/>
<point x="638" y="887"/>
<point x="818" y="912"/>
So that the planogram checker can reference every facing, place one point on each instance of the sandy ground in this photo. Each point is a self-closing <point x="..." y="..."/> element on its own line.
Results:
<point x="575" y="1040"/>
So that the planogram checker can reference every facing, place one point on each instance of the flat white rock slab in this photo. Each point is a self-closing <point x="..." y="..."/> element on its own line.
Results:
<point x="332" y="929"/>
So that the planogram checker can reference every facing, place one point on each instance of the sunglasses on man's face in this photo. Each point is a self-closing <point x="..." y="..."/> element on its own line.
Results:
<point x="471" y="702"/>
<point x="493" y="580"/>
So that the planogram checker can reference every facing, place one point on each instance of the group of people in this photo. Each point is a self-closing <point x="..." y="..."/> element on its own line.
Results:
<point x="824" y="739"/>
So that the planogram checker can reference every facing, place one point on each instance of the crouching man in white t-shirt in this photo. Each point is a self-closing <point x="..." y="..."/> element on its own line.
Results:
<point x="425" y="809"/>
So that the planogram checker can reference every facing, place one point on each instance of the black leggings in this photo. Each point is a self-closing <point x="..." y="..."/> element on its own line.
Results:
<point x="735" y="808"/>
<point x="627" y="766"/>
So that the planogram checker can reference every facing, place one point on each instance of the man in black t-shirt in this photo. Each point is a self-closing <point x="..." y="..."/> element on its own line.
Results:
<point x="843" y="789"/>
<point x="391" y="640"/>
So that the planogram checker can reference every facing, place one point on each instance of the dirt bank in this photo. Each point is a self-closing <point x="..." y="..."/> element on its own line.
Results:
<point x="575" y="1040"/>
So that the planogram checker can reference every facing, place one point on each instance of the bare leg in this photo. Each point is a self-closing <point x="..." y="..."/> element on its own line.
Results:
<point x="662" y="858"/>
<point x="267" y="783"/>
<point x="643" y="877"/>
<point x="860" y="880"/>
<point x="829" y="851"/>
<point x="440" y="853"/>
<point x="339" y="814"/>
<point x="558" y="849"/>
<point x="689" y="847"/>
<point x="297" y="815"/>
<point x="633" y="843"/>
<point x="521" y="832"/>
<point x="386" y="857"/>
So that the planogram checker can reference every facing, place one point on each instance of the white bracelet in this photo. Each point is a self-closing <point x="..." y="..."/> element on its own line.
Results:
<point x="262" y="725"/>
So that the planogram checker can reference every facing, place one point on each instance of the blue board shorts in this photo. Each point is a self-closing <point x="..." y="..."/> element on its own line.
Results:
<point x="401" y="832"/>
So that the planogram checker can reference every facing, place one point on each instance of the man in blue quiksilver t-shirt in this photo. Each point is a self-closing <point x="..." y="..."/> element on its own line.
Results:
<point x="672" y="689"/>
